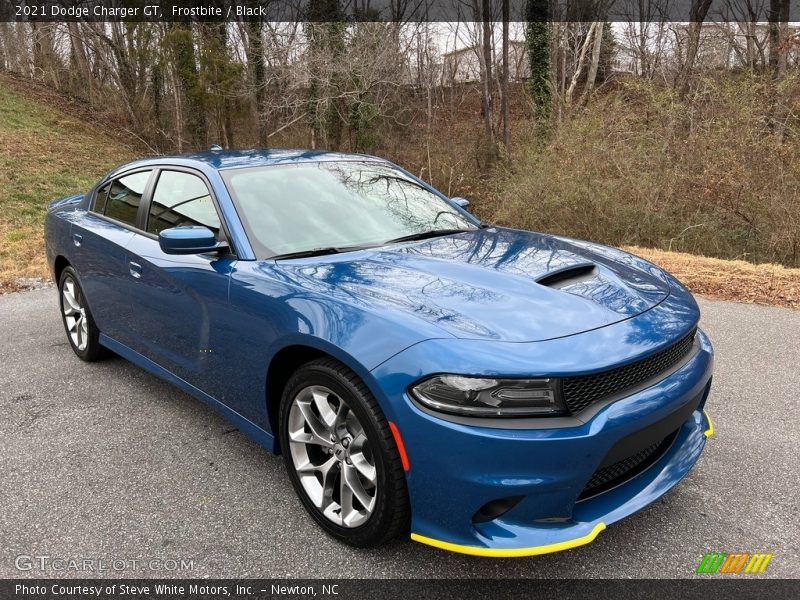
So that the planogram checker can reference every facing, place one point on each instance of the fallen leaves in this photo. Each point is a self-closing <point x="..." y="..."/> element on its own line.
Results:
<point x="735" y="280"/>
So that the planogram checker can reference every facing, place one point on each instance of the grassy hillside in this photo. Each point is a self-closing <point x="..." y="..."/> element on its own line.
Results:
<point x="45" y="153"/>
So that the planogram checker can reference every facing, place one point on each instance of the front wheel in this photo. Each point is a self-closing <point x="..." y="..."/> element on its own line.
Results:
<point x="341" y="456"/>
<point x="82" y="332"/>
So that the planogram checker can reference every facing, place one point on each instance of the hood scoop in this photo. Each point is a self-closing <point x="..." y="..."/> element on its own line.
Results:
<point x="569" y="275"/>
<point x="497" y="284"/>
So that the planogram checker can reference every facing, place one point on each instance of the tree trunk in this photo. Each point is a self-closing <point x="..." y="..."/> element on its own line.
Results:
<point x="4" y="36"/>
<point x="595" y="61"/>
<point x="123" y="49"/>
<point x="783" y="59"/>
<point x="44" y="59"/>
<point x="220" y="32"/>
<point x="255" y="56"/>
<point x="176" y="98"/>
<point x="644" y="66"/>
<point x="185" y="64"/>
<point x="698" y="14"/>
<point x="506" y="109"/>
<point x="542" y="52"/>
<point x="579" y="68"/>
<point x="157" y="84"/>
<point x="488" y="108"/>
<point x="80" y="79"/>
<point x="778" y="17"/>
<point x="561" y="50"/>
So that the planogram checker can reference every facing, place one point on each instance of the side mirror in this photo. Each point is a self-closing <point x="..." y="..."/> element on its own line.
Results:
<point x="187" y="240"/>
<point x="462" y="202"/>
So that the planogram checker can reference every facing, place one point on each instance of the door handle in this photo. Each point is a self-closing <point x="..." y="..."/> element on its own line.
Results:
<point x="135" y="269"/>
<point x="77" y="238"/>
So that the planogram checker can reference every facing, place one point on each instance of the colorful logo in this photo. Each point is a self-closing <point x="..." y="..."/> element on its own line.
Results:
<point x="736" y="562"/>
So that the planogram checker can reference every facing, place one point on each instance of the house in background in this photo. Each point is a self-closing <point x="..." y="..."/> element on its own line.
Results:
<point x="464" y="65"/>
<point x="625" y="60"/>
<point x="735" y="45"/>
<point x="722" y="46"/>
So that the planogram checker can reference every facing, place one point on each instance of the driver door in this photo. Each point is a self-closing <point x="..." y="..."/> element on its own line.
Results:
<point x="181" y="299"/>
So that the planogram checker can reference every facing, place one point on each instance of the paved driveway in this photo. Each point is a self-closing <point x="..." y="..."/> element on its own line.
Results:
<point x="104" y="461"/>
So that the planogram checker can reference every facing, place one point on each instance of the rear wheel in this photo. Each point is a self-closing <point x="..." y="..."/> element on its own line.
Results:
<point x="82" y="332"/>
<point x="341" y="456"/>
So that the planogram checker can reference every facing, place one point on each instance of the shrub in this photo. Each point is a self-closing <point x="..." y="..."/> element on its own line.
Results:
<point x="717" y="173"/>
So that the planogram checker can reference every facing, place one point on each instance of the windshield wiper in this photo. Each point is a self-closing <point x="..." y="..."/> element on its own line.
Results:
<point x="325" y="250"/>
<point x="318" y="252"/>
<point x="426" y="234"/>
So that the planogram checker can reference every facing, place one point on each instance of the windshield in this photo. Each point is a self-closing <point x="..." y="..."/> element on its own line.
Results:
<point x="297" y="208"/>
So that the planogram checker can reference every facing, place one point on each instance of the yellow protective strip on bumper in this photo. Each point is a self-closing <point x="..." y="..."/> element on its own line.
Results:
<point x="710" y="431"/>
<point x="511" y="552"/>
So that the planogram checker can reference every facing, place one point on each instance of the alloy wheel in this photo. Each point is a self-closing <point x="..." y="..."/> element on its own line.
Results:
<point x="74" y="314"/>
<point x="332" y="456"/>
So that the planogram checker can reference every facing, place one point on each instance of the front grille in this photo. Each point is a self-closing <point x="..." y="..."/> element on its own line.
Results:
<point x="580" y="392"/>
<point x="608" y="477"/>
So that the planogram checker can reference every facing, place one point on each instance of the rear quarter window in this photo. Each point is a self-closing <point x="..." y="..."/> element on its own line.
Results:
<point x="124" y="197"/>
<point x="99" y="202"/>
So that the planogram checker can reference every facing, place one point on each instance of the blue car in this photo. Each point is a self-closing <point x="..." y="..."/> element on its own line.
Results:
<point x="490" y="391"/>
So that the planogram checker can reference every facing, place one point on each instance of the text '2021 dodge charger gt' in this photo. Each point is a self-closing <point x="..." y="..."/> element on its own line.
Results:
<point x="491" y="391"/>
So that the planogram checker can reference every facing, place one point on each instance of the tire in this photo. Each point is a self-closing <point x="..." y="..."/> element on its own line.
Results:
<point x="82" y="333"/>
<point x="327" y="476"/>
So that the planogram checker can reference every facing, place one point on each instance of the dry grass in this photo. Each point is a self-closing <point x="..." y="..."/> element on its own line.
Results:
<point x="45" y="153"/>
<point x="735" y="280"/>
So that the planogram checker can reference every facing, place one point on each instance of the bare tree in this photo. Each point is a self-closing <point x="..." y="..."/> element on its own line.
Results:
<point x="504" y="92"/>
<point x="486" y="72"/>
<point x="644" y="34"/>
<point x="45" y="60"/>
<point x="747" y="36"/>
<point x="256" y="62"/>
<point x="778" y="17"/>
<point x="698" y="13"/>
<point x="581" y="61"/>
<point x="186" y="77"/>
<point x="4" y="37"/>
<point x="594" y="63"/>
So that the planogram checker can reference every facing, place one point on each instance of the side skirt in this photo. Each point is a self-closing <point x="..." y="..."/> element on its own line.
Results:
<point x="246" y="426"/>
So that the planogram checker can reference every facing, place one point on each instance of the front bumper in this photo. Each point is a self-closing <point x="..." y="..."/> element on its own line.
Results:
<point x="455" y="469"/>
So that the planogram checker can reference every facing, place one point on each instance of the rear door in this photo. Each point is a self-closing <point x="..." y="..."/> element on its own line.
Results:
<point x="181" y="300"/>
<point x="100" y="236"/>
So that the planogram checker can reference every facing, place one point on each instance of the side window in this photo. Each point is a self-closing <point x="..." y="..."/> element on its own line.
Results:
<point x="125" y="195"/>
<point x="181" y="199"/>
<point x="100" y="198"/>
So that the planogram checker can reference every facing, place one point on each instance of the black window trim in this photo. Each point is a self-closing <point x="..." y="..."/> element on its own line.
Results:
<point x="103" y="182"/>
<point x="143" y="212"/>
<point x="96" y="192"/>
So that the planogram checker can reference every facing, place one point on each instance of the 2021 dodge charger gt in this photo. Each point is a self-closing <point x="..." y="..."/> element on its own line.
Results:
<point x="491" y="391"/>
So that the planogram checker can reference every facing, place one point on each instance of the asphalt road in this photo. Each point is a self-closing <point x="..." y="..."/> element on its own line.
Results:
<point x="104" y="461"/>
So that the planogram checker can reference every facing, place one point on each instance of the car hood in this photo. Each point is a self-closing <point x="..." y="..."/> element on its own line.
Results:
<point x="494" y="283"/>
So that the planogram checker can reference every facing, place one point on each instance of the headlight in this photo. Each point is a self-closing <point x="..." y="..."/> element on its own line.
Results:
<point x="478" y="397"/>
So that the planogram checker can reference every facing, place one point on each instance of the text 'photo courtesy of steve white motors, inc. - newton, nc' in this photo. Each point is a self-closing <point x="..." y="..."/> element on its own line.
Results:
<point x="142" y="589"/>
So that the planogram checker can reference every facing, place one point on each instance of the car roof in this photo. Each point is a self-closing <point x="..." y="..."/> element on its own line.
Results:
<point x="234" y="159"/>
